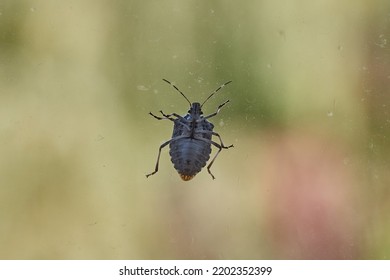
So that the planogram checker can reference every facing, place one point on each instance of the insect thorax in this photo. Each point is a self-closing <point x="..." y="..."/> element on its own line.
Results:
<point x="187" y="126"/>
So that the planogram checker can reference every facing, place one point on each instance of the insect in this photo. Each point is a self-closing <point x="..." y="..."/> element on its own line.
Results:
<point x="190" y="145"/>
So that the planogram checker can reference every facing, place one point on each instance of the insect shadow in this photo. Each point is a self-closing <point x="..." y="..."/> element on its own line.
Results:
<point x="190" y="145"/>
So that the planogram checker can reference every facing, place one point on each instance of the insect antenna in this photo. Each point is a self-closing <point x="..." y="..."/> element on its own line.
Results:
<point x="214" y="92"/>
<point x="175" y="87"/>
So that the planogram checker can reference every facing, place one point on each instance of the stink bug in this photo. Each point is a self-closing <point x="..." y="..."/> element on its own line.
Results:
<point x="190" y="145"/>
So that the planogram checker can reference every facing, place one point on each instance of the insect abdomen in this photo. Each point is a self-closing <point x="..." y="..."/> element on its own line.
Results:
<point x="189" y="156"/>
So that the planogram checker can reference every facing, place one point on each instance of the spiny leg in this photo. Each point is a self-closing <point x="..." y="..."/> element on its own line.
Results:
<point x="212" y="161"/>
<point x="218" y="109"/>
<point x="160" y="118"/>
<point x="170" y="115"/>
<point x="159" y="152"/>
<point x="215" y="134"/>
<point x="219" y="150"/>
<point x="220" y="139"/>
<point x="166" y="117"/>
<point x="183" y="120"/>
<point x="220" y="147"/>
<point x="158" y="158"/>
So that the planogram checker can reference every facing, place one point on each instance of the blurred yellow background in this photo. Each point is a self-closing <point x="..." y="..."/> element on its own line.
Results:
<point x="309" y="118"/>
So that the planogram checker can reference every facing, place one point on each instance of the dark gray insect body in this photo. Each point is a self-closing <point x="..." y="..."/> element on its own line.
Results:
<point x="190" y="154"/>
<point x="190" y="145"/>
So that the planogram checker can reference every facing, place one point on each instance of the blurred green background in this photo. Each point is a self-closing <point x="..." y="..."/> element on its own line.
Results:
<point x="309" y="118"/>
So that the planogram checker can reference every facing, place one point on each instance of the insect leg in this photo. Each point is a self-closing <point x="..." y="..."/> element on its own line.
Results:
<point x="182" y="120"/>
<point x="220" y="139"/>
<point x="159" y="153"/>
<point x="212" y="161"/>
<point x="160" y="118"/>
<point x="215" y="134"/>
<point x="219" y="150"/>
<point x="170" y="115"/>
<point x="158" y="158"/>
<point x="218" y="109"/>
<point x="166" y="117"/>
